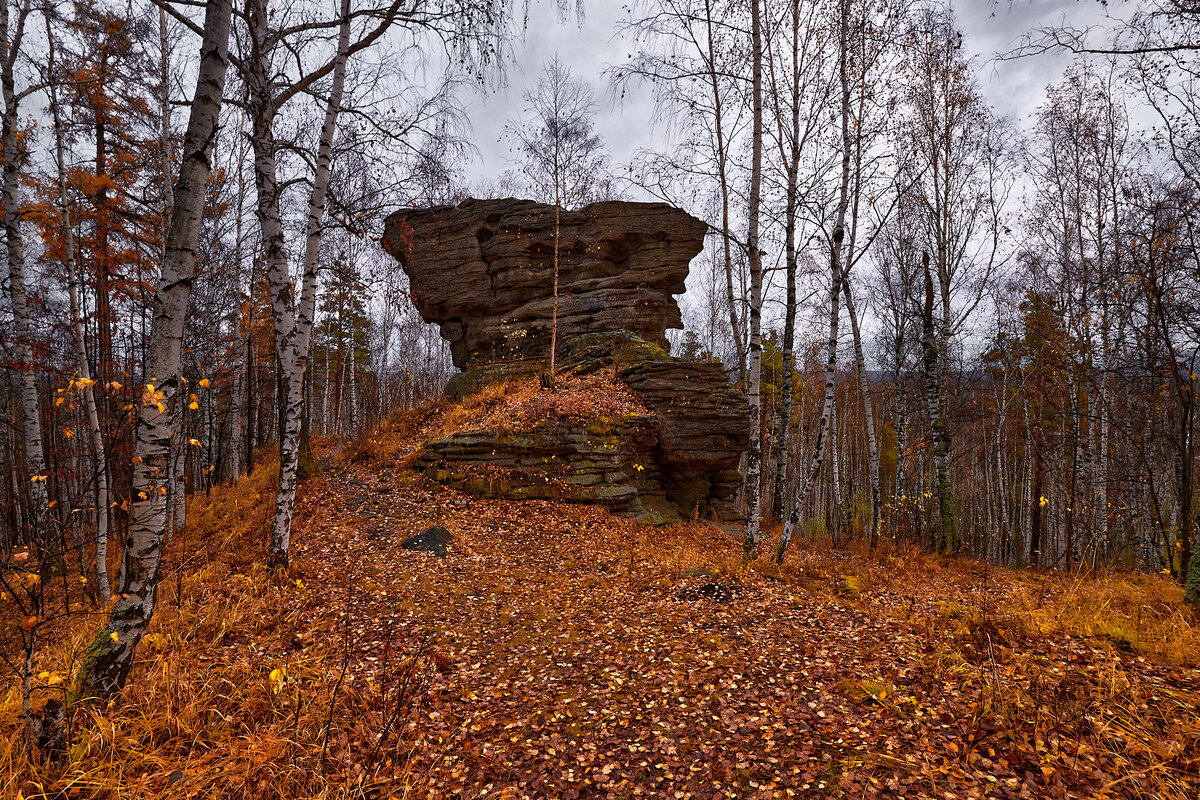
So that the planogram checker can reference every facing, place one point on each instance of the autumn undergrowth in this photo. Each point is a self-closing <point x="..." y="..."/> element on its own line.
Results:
<point x="252" y="684"/>
<point x="509" y="406"/>
<point x="239" y="690"/>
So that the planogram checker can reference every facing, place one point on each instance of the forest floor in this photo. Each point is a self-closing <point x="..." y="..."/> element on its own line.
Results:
<point x="559" y="652"/>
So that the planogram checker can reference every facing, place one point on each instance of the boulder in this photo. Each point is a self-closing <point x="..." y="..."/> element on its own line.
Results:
<point x="702" y="419"/>
<point x="607" y="462"/>
<point x="435" y="540"/>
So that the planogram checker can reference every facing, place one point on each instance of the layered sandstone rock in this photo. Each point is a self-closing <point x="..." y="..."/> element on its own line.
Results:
<point x="483" y="271"/>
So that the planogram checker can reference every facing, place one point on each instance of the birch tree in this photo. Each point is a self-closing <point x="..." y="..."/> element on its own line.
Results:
<point x="470" y="30"/>
<point x="12" y="36"/>
<point x="561" y="156"/>
<point x="799" y="114"/>
<point x="108" y="659"/>
<point x="836" y="242"/>
<point x="951" y="141"/>
<point x="754" y="387"/>
<point x="292" y="318"/>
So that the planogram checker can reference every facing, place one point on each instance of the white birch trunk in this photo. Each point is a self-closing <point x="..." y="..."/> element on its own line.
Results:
<point x="109" y="658"/>
<point x="788" y="361"/>
<point x="754" y="390"/>
<point x="293" y="321"/>
<point x="1100" y="473"/>
<point x="948" y="539"/>
<point x="325" y="392"/>
<point x="860" y="364"/>
<point x="35" y="458"/>
<point x="899" y="493"/>
<point x="353" y="393"/>
<point x="835" y="291"/>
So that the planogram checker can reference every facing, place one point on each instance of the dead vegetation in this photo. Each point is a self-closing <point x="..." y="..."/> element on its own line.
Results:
<point x="562" y="652"/>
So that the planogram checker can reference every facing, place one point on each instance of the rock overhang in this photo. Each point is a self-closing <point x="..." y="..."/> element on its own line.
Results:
<point x="483" y="270"/>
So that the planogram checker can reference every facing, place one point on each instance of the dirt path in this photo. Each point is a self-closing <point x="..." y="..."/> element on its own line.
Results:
<point x="564" y="653"/>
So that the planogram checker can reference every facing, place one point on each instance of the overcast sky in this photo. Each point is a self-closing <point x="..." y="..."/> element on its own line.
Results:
<point x="1014" y="88"/>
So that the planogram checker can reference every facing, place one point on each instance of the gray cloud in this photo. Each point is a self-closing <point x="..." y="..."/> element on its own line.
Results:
<point x="991" y="27"/>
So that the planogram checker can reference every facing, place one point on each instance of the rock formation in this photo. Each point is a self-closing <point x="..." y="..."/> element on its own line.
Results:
<point x="483" y="271"/>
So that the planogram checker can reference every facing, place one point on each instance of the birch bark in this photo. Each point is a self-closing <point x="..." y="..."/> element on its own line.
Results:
<point x="108" y="659"/>
<point x="947" y="536"/>
<point x="835" y="291"/>
<point x="293" y="320"/>
<point x="754" y="393"/>
<point x="860" y="364"/>
<point x="12" y="32"/>
<point x="783" y="439"/>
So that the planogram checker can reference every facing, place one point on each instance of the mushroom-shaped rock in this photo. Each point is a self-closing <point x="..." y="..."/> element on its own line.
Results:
<point x="483" y="270"/>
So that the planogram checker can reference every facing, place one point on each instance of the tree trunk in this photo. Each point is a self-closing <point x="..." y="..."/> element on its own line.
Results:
<point x="948" y="540"/>
<point x="754" y="390"/>
<point x="109" y="658"/>
<point x="252" y="420"/>
<point x="99" y="455"/>
<point x="835" y="291"/>
<point x="860" y="363"/>
<point x="783" y="439"/>
<point x="293" y="321"/>
<point x="35" y="458"/>
<point x="899" y="493"/>
<point x="352" y="394"/>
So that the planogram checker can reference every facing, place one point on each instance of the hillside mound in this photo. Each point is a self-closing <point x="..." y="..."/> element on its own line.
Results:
<point x="559" y="651"/>
<point x="626" y="427"/>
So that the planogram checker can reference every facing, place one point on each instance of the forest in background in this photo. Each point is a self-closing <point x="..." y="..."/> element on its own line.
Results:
<point x="953" y="332"/>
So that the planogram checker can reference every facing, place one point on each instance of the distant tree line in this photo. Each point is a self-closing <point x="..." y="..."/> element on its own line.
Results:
<point x="950" y="332"/>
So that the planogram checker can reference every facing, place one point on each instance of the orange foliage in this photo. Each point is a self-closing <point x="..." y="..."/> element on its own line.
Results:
<point x="562" y="652"/>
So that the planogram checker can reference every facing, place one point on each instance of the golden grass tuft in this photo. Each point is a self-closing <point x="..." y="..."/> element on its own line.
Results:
<point x="394" y="439"/>
<point x="509" y="406"/>
<point x="1145" y="613"/>
<point x="238" y="690"/>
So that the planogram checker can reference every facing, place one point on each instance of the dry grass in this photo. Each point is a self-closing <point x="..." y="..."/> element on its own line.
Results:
<point x="504" y="407"/>
<point x="1143" y="613"/>
<point x="1130" y="612"/>
<point x="209" y="711"/>
<point x="396" y="438"/>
